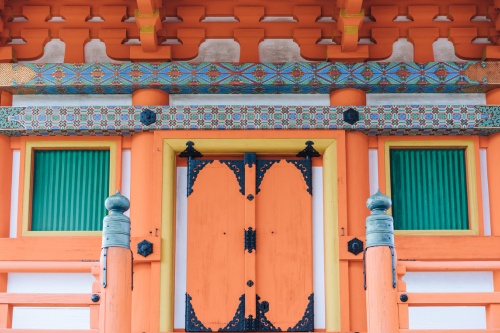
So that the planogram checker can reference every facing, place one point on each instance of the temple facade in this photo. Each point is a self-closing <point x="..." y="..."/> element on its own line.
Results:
<point x="249" y="166"/>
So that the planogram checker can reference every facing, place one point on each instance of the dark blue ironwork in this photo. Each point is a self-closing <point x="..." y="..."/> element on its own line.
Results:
<point x="262" y="167"/>
<point x="304" y="166"/>
<point x="250" y="239"/>
<point x="237" y="324"/>
<point x="238" y="167"/>
<point x="309" y="151"/>
<point x="192" y="322"/>
<point x="262" y="323"/>
<point x="250" y="159"/>
<point x="194" y="168"/>
<point x="190" y="152"/>
<point x="351" y="116"/>
<point x="145" y="248"/>
<point x="306" y="324"/>
<point x="148" y="117"/>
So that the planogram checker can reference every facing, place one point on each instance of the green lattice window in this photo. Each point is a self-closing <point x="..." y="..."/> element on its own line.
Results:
<point x="429" y="189"/>
<point x="68" y="189"/>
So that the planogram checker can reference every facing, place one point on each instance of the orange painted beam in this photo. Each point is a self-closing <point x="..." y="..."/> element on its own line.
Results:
<point x="46" y="267"/>
<point x="476" y="248"/>
<point x="46" y="300"/>
<point x="451" y="299"/>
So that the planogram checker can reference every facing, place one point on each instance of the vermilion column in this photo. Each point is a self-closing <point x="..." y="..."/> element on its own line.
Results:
<point x="116" y="268"/>
<point x="358" y="185"/>
<point x="380" y="263"/>
<point x="5" y="98"/>
<point x="347" y="96"/>
<point x="493" y="97"/>
<point x="145" y="227"/>
<point x="5" y="186"/>
<point x="493" y="158"/>
<point x="150" y="97"/>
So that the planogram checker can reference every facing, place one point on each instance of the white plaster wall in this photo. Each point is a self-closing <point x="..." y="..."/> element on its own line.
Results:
<point x="485" y="195"/>
<point x="279" y="50"/>
<point x="264" y="99"/>
<point x="218" y="50"/>
<point x="14" y="192"/>
<point x="402" y="50"/>
<point x="72" y="100"/>
<point x="448" y="282"/>
<point x="181" y="249"/>
<point x="53" y="52"/>
<point x="228" y="50"/>
<point x="438" y="317"/>
<point x="441" y="317"/>
<point x="444" y="50"/>
<point x="53" y="283"/>
<point x="373" y="170"/>
<point x="425" y="99"/>
<point x="318" y="250"/>
<point x="126" y="174"/>
<point x="51" y="318"/>
<point x="95" y="51"/>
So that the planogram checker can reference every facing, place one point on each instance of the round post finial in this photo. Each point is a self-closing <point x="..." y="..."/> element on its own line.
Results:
<point x="117" y="203"/>
<point x="379" y="224"/>
<point x="116" y="226"/>
<point x="378" y="202"/>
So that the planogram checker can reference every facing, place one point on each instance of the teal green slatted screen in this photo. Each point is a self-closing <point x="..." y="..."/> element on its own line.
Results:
<point x="69" y="189"/>
<point x="429" y="189"/>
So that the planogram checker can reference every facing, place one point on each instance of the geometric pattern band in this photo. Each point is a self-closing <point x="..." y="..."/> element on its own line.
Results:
<point x="249" y="78"/>
<point x="373" y="120"/>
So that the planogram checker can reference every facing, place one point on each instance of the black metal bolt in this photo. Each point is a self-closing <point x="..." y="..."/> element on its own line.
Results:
<point x="145" y="248"/>
<point x="351" y="116"/>
<point x="403" y="298"/>
<point x="355" y="246"/>
<point x="95" y="298"/>
<point x="147" y="117"/>
<point x="249" y="283"/>
<point x="250" y="197"/>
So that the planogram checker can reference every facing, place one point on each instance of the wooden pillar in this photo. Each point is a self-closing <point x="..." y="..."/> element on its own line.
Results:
<point x="493" y="158"/>
<point x="380" y="263"/>
<point x="493" y="97"/>
<point x="5" y="185"/>
<point x="347" y="96"/>
<point x="5" y="199"/>
<point x="5" y="98"/>
<point x="150" y="97"/>
<point x="141" y="188"/>
<point x="353" y="313"/>
<point x="116" y="264"/>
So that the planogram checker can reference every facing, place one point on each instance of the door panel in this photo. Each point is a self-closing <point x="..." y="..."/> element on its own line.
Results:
<point x="232" y="286"/>
<point x="215" y="265"/>
<point x="284" y="250"/>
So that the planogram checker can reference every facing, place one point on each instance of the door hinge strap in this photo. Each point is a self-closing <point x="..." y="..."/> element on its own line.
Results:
<point x="250" y="239"/>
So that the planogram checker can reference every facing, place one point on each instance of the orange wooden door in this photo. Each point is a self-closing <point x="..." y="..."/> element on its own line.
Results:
<point x="284" y="245"/>
<point x="232" y="286"/>
<point x="215" y="264"/>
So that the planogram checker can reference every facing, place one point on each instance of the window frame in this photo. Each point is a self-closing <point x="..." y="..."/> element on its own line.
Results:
<point x="473" y="182"/>
<point x="28" y="148"/>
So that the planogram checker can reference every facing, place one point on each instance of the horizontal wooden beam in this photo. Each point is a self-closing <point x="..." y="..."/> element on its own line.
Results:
<point x="248" y="78"/>
<point x="451" y="299"/>
<point x="54" y="248"/>
<point x="373" y="120"/>
<point x="46" y="267"/>
<point x="46" y="300"/>
<point x="435" y="248"/>
<point x="23" y="330"/>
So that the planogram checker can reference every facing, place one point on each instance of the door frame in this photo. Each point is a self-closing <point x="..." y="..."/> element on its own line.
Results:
<point x="330" y="144"/>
